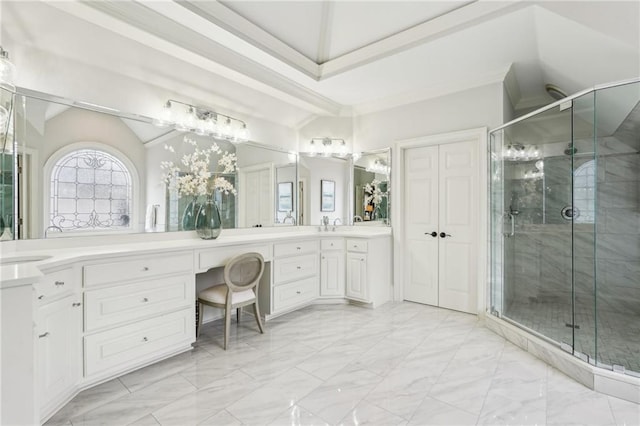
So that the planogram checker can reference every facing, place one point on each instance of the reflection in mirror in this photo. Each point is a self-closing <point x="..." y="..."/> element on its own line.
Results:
<point x="312" y="171"/>
<point x="89" y="170"/>
<point x="7" y="227"/>
<point x="371" y="188"/>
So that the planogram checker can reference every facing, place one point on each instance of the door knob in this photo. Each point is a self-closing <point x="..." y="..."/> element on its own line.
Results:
<point x="434" y="234"/>
<point x="443" y="235"/>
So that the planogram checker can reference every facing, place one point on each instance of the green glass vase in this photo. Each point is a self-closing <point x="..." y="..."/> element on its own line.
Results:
<point x="208" y="222"/>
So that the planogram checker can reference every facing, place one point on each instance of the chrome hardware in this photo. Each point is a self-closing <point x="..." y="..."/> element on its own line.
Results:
<point x="51" y="228"/>
<point x="434" y="234"/>
<point x="145" y="300"/>
<point x="298" y="248"/>
<point x="146" y="268"/>
<point x="41" y="297"/>
<point x="444" y="235"/>
<point x="361" y="260"/>
<point x="40" y="336"/>
<point x="59" y="283"/>
<point x="297" y="292"/>
<point x="298" y="267"/>
<point x="76" y="304"/>
<point x="323" y="257"/>
<point x="569" y="213"/>
<point x="144" y="339"/>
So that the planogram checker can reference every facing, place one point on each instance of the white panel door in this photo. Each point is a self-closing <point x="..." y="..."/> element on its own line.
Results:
<point x="332" y="274"/>
<point x="458" y="204"/>
<point x="258" y="197"/>
<point x="357" y="276"/>
<point x="421" y="220"/>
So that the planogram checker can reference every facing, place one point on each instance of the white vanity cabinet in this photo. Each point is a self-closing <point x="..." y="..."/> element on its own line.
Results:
<point x="137" y="310"/>
<point x="59" y="338"/>
<point x="295" y="275"/>
<point x="332" y="268"/>
<point x="369" y="270"/>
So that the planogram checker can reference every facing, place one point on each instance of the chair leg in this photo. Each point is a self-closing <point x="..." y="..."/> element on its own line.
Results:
<point x="256" y="312"/>
<point x="227" y="326"/>
<point x="199" y="326"/>
<point x="238" y="315"/>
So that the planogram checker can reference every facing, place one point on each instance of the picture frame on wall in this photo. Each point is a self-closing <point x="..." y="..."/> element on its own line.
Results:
<point x="327" y="195"/>
<point x="285" y="196"/>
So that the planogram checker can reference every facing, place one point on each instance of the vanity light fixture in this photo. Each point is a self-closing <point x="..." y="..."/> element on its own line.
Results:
<point x="7" y="69"/>
<point x="519" y="152"/>
<point x="378" y="166"/>
<point x="202" y="121"/>
<point x="327" y="147"/>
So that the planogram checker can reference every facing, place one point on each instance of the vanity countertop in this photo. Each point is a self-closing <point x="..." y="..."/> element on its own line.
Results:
<point x="29" y="259"/>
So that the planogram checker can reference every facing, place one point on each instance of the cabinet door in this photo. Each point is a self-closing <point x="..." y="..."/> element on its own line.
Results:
<point x="332" y="274"/>
<point x="357" y="276"/>
<point x="59" y="348"/>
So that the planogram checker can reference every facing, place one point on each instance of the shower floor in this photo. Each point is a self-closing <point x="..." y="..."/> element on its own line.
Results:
<point x="617" y="332"/>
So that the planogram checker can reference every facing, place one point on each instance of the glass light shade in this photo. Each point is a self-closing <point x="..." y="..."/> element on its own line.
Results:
<point x="226" y="131"/>
<point x="312" y="149"/>
<point x="243" y="134"/>
<point x="7" y="69"/>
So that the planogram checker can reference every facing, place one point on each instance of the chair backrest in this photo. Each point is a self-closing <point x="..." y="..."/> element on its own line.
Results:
<point x="243" y="272"/>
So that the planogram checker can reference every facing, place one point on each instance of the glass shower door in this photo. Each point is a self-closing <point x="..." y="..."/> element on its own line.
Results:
<point x="534" y="191"/>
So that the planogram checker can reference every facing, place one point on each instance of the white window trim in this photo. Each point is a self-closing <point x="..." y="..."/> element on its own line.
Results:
<point x="46" y="186"/>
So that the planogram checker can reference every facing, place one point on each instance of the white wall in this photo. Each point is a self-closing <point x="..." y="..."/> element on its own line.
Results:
<point x="478" y="107"/>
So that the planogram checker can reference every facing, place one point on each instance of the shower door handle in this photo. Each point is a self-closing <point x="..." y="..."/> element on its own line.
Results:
<point x="512" y="219"/>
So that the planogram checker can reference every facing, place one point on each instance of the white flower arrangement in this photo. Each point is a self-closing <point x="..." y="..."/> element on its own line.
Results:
<point x="197" y="179"/>
<point x="374" y="193"/>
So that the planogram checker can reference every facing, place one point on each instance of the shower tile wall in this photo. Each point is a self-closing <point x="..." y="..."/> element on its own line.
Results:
<point x="540" y="296"/>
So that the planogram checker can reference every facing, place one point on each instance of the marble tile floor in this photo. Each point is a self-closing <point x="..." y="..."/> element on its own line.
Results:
<point x="400" y="364"/>
<point x="617" y="332"/>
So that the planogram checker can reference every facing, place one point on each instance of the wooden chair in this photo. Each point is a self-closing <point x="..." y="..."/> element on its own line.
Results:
<point x="241" y="278"/>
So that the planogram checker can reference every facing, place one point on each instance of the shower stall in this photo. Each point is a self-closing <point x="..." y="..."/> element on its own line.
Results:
<point x="565" y="225"/>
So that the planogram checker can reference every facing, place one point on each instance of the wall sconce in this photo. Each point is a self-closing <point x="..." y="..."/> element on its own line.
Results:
<point x="7" y="69"/>
<point x="202" y="121"/>
<point x="327" y="147"/>
<point x="378" y="166"/>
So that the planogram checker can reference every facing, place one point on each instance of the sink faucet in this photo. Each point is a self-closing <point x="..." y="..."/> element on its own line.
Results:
<point x="52" y="228"/>
<point x="325" y="222"/>
<point x="337" y="219"/>
<point x="357" y="218"/>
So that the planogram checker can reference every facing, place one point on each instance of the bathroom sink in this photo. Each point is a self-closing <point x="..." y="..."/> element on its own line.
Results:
<point x="16" y="260"/>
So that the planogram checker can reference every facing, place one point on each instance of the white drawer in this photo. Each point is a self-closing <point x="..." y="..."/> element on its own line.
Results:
<point x="294" y="268"/>
<point x="54" y="284"/>
<point x="300" y="247"/>
<point x="134" y="343"/>
<point x="292" y="294"/>
<point x="138" y="268"/>
<point x="332" y="244"/>
<point x="359" y="246"/>
<point x="213" y="258"/>
<point x="118" y="304"/>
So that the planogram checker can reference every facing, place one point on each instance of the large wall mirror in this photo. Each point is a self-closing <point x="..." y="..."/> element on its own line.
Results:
<point x="323" y="189"/>
<point x="371" y="185"/>
<point x="69" y="168"/>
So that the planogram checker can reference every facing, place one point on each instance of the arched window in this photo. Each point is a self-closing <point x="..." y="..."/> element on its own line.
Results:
<point x="584" y="188"/>
<point x="91" y="190"/>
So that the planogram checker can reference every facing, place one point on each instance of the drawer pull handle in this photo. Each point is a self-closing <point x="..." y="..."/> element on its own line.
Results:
<point x="41" y="297"/>
<point x="59" y="283"/>
<point x="40" y="336"/>
<point x="323" y="257"/>
<point x="361" y="260"/>
<point x="76" y="304"/>
<point x="145" y="269"/>
<point x="298" y="248"/>
<point x="298" y="267"/>
<point x="145" y="300"/>
<point x="297" y="292"/>
<point x="144" y="339"/>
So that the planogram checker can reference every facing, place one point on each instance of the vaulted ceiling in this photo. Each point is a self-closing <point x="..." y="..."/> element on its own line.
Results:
<point x="290" y="60"/>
